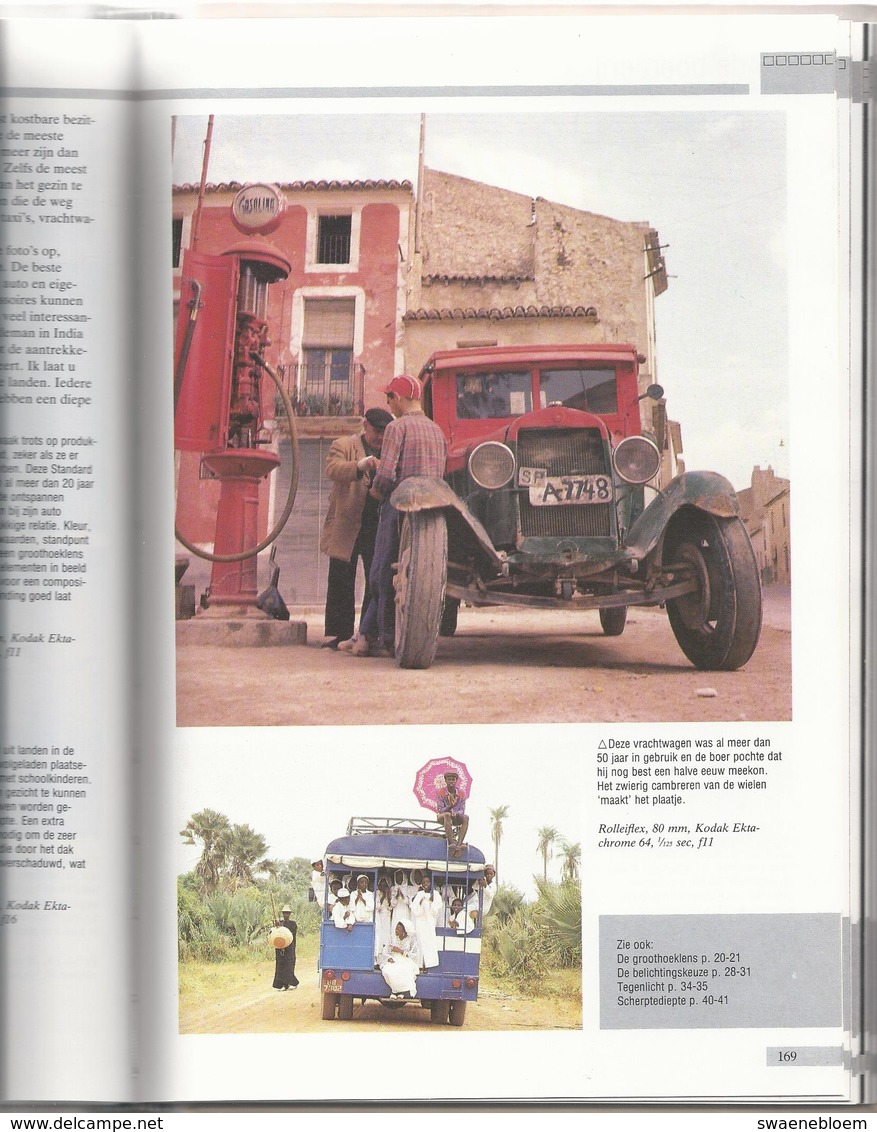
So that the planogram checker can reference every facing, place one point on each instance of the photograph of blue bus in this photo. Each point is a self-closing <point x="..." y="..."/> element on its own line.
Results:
<point x="401" y="919"/>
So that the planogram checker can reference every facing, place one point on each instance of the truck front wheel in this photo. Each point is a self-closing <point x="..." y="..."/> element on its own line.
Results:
<point x="718" y="624"/>
<point x="420" y="587"/>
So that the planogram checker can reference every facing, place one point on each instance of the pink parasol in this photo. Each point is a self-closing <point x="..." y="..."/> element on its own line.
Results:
<point x="431" y="778"/>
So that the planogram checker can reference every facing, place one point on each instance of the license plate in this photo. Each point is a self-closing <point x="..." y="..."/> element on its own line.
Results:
<point x="558" y="491"/>
<point x="332" y="986"/>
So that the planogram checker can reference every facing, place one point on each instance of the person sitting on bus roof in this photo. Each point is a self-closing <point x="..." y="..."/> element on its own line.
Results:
<point x="342" y="914"/>
<point x="451" y="812"/>
<point x="400" y="961"/>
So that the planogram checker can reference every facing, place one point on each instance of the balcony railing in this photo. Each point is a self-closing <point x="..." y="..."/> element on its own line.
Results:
<point x="326" y="391"/>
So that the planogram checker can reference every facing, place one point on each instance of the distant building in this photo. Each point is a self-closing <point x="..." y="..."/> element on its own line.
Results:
<point x="765" y="508"/>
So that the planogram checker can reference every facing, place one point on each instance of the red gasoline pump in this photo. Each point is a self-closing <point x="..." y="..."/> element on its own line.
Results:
<point x="222" y="335"/>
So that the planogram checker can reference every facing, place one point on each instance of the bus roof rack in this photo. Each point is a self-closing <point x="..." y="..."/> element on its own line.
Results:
<point x="421" y="826"/>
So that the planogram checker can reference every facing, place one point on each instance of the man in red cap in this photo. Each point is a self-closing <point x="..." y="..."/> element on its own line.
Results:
<point x="413" y="446"/>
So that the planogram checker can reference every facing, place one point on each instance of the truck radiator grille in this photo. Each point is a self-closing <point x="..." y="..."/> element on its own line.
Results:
<point x="561" y="452"/>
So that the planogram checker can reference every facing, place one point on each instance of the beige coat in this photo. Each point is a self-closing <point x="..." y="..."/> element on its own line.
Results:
<point x="346" y="499"/>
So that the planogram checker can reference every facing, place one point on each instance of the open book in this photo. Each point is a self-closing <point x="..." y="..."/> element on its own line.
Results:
<point x="616" y="265"/>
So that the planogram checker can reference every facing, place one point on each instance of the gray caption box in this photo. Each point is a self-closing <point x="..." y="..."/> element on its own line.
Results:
<point x="719" y="971"/>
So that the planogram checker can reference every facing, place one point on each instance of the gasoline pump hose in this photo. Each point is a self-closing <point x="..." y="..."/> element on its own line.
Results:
<point x="290" y="497"/>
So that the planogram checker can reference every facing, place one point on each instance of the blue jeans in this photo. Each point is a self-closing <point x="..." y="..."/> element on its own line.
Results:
<point x="378" y="620"/>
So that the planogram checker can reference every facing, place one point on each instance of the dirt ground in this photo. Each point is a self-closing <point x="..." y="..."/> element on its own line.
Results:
<point x="502" y="666"/>
<point x="237" y="998"/>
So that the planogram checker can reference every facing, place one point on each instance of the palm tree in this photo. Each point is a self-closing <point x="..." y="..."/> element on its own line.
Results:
<point x="271" y="867"/>
<point x="559" y="908"/>
<point x="212" y="830"/>
<point x="548" y="835"/>
<point x="572" y="859"/>
<point x="496" y="820"/>
<point x="246" y="853"/>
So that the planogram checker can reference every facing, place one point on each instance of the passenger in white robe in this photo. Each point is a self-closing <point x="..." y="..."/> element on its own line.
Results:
<point x="451" y="892"/>
<point x="383" y="916"/>
<point x="457" y="918"/>
<point x="426" y="908"/>
<point x="449" y="895"/>
<point x="400" y="896"/>
<point x="489" y="889"/>
<point x="362" y="901"/>
<point x="400" y="961"/>
<point x="334" y="887"/>
<point x="342" y="913"/>
<point x="486" y="887"/>
<point x="318" y="883"/>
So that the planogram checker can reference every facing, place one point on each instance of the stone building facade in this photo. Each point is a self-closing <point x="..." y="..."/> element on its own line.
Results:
<point x="494" y="267"/>
<point x="765" y="507"/>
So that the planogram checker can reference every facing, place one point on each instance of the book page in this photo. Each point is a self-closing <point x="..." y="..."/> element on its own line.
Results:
<point x="702" y="815"/>
<point x="621" y="204"/>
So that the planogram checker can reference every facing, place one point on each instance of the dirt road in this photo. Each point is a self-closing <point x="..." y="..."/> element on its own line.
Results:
<point x="503" y="666"/>
<point x="238" y="998"/>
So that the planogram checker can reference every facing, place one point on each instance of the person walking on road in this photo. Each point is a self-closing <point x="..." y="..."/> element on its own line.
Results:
<point x="284" y="957"/>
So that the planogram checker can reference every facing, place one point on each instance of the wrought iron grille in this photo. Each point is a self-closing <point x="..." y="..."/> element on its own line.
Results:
<point x="563" y="452"/>
<point x="328" y="383"/>
<point x="333" y="239"/>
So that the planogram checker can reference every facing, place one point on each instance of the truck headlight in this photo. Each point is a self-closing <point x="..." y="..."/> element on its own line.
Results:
<point x="637" y="459"/>
<point x="492" y="465"/>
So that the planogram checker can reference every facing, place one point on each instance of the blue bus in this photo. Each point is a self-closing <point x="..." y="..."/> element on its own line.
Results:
<point x="348" y="964"/>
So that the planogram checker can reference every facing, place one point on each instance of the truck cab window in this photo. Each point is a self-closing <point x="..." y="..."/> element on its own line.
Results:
<point x="592" y="390"/>
<point x="495" y="395"/>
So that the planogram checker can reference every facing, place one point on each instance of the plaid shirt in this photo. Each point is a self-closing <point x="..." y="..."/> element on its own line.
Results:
<point x="413" y="446"/>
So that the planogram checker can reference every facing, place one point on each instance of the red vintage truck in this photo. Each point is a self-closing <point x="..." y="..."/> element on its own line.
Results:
<point x="544" y="504"/>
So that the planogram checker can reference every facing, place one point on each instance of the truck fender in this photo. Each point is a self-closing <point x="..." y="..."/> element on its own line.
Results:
<point x="424" y="493"/>
<point x="706" y="491"/>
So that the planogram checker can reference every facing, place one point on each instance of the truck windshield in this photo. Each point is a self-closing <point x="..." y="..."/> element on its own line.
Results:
<point x="491" y="395"/>
<point x="592" y="390"/>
